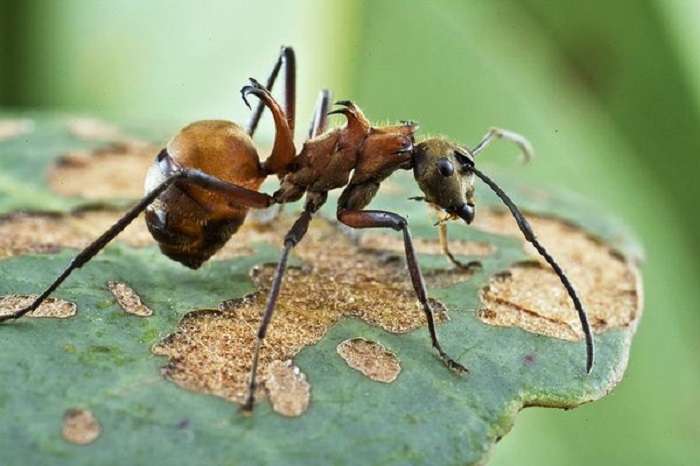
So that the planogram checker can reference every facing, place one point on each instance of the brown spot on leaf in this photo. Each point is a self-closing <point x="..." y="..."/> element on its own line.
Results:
<point x="370" y="358"/>
<point x="51" y="307"/>
<point x="23" y="233"/>
<point x="128" y="299"/>
<point x="385" y="242"/>
<point x="115" y="171"/>
<point x="289" y="391"/>
<point x="11" y="128"/>
<point x="80" y="426"/>
<point x="39" y="233"/>
<point x="92" y="129"/>
<point x="211" y="351"/>
<point x="532" y="297"/>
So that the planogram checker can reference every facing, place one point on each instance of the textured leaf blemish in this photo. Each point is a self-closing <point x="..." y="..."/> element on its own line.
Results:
<point x="384" y="242"/>
<point x="92" y="129"/>
<point x="51" y="307"/>
<point x="211" y="350"/>
<point x="530" y="296"/>
<point x="370" y="358"/>
<point x="24" y="233"/>
<point x="80" y="426"/>
<point x="90" y="174"/>
<point x="15" y="127"/>
<point x="288" y="389"/>
<point x="128" y="299"/>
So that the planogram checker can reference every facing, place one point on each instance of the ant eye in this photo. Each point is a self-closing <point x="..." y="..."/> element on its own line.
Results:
<point x="445" y="167"/>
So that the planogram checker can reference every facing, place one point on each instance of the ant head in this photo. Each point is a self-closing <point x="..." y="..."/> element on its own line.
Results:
<point x="441" y="169"/>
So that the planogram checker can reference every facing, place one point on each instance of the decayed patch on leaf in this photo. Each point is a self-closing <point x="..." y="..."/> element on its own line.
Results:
<point x="370" y="358"/>
<point x="39" y="233"/>
<point x="11" y="128"/>
<point x="289" y="391"/>
<point x="92" y="129"/>
<point x="384" y="242"/>
<point x="51" y="307"/>
<point x="115" y="171"/>
<point x="531" y="296"/>
<point x="211" y="351"/>
<point x="128" y="299"/>
<point x="80" y="426"/>
<point x="24" y="233"/>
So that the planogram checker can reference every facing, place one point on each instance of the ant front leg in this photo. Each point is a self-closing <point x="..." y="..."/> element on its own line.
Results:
<point x="444" y="245"/>
<point x="383" y="219"/>
<point x="288" y="60"/>
<point x="295" y="234"/>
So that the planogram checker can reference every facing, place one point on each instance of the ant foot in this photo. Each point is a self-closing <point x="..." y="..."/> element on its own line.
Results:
<point x="469" y="266"/>
<point x="246" y="408"/>
<point x="456" y="367"/>
<point x="453" y="365"/>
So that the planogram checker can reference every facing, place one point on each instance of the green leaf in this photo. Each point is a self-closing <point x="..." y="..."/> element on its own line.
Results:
<point x="101" y="360"/>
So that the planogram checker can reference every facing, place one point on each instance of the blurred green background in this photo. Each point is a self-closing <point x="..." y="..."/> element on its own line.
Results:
<point x="609" y="94"/>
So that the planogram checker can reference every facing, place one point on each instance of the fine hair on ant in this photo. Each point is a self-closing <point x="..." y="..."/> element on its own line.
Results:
<point x="203" y="183"/>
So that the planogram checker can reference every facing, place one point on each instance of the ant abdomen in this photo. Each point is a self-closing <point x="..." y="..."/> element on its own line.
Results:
<point x="189" y="222"/>
<point x="189" y="242"/>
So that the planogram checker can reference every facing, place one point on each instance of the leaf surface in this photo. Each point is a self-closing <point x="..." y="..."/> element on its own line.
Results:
<point x="102" y="360"/>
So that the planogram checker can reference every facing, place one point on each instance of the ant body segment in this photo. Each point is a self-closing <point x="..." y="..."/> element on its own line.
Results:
<point x="202" y="184"/>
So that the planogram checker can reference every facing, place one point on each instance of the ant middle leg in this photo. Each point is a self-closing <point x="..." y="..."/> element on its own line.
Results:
<point x="295" y="234"/>
<point x="383" y="219"/>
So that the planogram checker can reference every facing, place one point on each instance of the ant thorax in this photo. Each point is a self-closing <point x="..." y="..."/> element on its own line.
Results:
<point x="326" y="162"/>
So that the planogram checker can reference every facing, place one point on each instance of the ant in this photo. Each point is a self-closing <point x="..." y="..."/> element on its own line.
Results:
<point x="203" y="183"/>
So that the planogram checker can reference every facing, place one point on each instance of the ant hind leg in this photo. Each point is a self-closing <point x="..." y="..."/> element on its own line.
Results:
<point x="240" y="195"/>
<point x="93" y="248"/>
<point x="319" y="122"/>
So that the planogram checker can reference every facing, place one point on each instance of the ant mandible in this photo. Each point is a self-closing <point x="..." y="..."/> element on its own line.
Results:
<point x="201" y="186"/>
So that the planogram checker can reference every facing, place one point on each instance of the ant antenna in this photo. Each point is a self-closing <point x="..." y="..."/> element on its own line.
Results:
<point x="526" y="229"/>
<point x="527" y="153"/>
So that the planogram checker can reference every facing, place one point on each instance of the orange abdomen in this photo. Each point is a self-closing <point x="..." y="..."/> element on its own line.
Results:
<point x="190" y="223"/>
